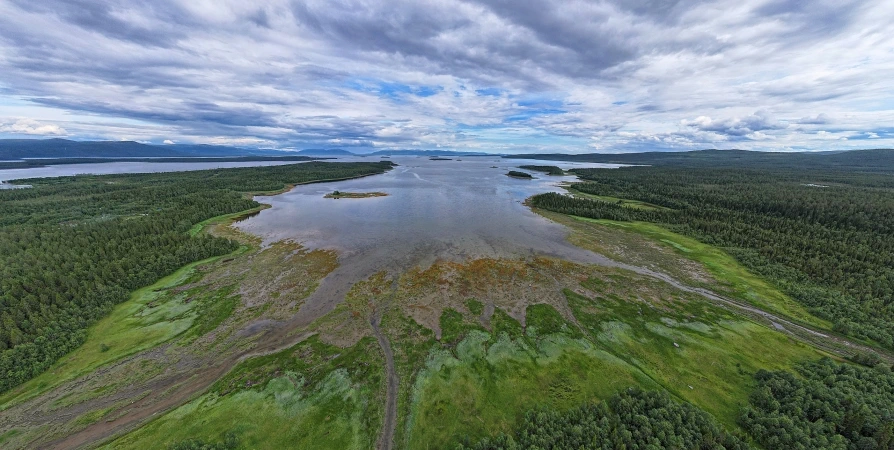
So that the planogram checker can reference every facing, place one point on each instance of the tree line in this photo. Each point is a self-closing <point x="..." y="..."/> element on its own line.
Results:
<point x="826" y="405"/>
<point x="826" y="238"/>
<point x="72" y="248"/>
<point x="550" y="170"/>
<point x="631" y="419"/>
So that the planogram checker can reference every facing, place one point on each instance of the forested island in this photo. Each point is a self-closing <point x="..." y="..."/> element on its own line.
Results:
<point x="73" y="247"/>
<point x="549" y="170"/>
<point x="517" y="174"/>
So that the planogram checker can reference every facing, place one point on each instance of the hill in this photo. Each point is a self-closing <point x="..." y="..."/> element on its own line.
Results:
<point x="875" y="160"/>
<point x="11" y="149"/>
<point x="324" y="152"/>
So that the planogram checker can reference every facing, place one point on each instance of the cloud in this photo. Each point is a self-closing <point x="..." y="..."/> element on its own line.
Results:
<point x="819" y="119"/>
<point x="751" y="125"/>
<point x="495" y="75"/>
<point x="31" y="127"/>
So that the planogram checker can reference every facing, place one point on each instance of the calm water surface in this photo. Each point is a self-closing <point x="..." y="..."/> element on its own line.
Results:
<point x="66" y="170"/>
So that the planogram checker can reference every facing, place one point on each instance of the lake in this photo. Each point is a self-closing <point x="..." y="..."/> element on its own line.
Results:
<point x="65" y="170"/>
<point x="452" y="210"/>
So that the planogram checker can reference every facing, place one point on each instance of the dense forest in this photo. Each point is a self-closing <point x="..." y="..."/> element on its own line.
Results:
<point x="549" y="170"/>
<point x="826" y="238"/>
<point x="71" y="248"/>
<point x="631" y="420"/>
<point x="878" y="160"/>
<point x="29" y="163"/>
<point x="64" y="148"/>
<point x="829" y="406"/>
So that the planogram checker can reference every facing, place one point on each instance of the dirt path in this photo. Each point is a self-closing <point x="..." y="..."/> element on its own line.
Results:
<point x="824" y="340"/>
<point x="386" y="439"/>
<point x="179" y="389"/>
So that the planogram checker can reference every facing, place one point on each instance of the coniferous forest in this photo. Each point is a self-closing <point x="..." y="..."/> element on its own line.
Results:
<point x="71" y="248"/>
<point x="824" y="237"/>
<point x="826" y="405"/>
<point x="631" y="419"/>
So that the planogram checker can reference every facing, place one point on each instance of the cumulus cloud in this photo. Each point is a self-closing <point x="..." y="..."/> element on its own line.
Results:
<point x="495" y="75"/>
<point x="751" y="125"/>
<point x="819" y="119"/>
<point x="31" y="127"/>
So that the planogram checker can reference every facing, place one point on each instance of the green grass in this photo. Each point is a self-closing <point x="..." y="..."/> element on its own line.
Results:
<point x="736" y="280"/>
<point x="226" y="218"/>
<point x="475" y="307"/>
<point x="312" y="395"/>
<point x="715" y="354"/>
<point x="502" y="323"/>
<point x="451" y="324"/>
<point x="635" y="204"/>
<point x="544" y="320"/>
<point x="150" y="317"/>
<point x="9" y="435"/>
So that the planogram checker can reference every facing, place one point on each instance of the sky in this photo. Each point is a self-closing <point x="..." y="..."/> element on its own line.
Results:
<point x="501" y="76"/>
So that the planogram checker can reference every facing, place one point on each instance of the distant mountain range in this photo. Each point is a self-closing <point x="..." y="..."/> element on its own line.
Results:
<point x="333" y="152"/>
<point x="62" y="148"/>
<point x="16" y="149"/>
<point x="877" y="160"/>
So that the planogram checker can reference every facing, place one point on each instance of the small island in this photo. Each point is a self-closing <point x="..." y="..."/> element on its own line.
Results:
<point x="340" y="194"/>
<point x="517" y="174"/>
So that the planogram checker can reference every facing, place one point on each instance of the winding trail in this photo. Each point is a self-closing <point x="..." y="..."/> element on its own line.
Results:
<point x="389" y="424"/>
<point x="829" y="342"/>
<point x="386" y="440"/>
